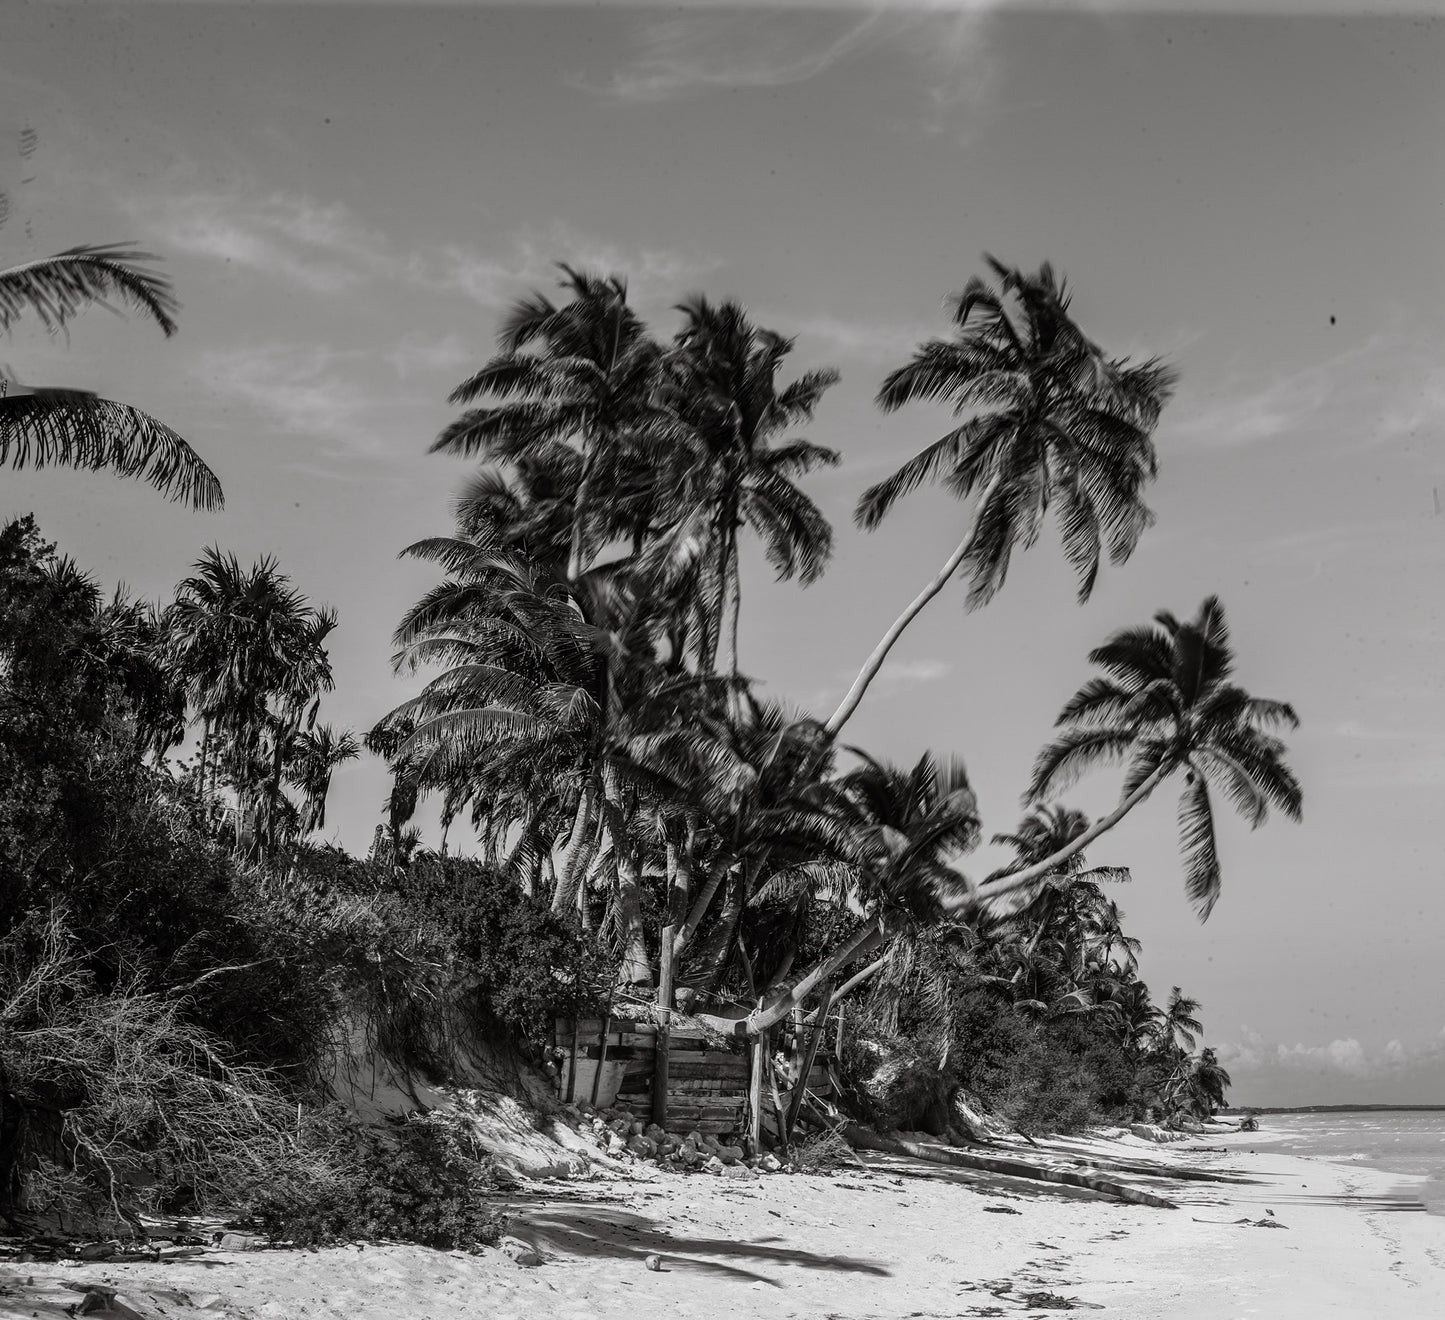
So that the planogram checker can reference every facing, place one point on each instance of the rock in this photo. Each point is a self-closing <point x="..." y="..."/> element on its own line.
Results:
<point x="730" y="1154"/>
<point x="239" y="1242"/>
<point x="713" y="1165"/>
<point x="656" y="1133"/>
<point x="96" y="1250"/>
<point x="739" y="1172"/>
<point x="770" y="1164"/>
<point x="621" y="1126"/>
<point x="615" y="1145"/>
<point x="520" y="1252"/>
<point x="643" y="1147"/>
<point x="637" y="1128"/>
<point x="654" y="1263"/>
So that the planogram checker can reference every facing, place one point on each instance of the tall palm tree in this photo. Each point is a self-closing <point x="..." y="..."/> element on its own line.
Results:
<point x="1179" y="1027"/>
<point x="1166" y="706"/>
<point x="75" y="428"/>
<point x="722" y="384"/>
<point x="1047" y="419"/>
<point x="573" y="383"/>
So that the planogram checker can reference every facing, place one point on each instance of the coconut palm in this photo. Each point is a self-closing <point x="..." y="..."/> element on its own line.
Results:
<point x="75" y="428"/>
<point x="1179" y="1027"/>
<point x="1047" y="419"/>
<point x="1166" y="706"/>
<point x="898" y="833"/>
<point x="722" y="385"/>
<point x="574" y="385"/>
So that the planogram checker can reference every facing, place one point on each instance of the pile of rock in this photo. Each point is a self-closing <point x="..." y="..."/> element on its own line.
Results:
<point x="622" y="1135"/>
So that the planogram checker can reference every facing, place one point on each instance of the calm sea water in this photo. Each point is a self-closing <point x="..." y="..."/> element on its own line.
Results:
<point x="1400" y="1141"/>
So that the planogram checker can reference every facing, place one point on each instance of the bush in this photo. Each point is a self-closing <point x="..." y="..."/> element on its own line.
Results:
<point x="113" y="1103"/>
<point x="420" y="1179"/>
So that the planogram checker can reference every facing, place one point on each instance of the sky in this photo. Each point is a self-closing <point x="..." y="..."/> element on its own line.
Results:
<point x="347" y="197"/>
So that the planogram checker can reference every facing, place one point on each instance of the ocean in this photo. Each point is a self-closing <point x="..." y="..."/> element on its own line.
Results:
<point x="1398" y="1141"/>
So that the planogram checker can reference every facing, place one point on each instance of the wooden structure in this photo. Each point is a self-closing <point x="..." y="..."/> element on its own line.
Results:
<point x="707" y="1084"/>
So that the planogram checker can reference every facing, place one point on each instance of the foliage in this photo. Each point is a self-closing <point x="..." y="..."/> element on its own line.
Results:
<point x="74" y="428"/>
<point x="423" y="1178"/>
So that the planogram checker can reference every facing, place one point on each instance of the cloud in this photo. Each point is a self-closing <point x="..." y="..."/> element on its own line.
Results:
<point x="1262" y="1065"/>
<point x="318" y="245"/>
<point x="874" y="342"/>
<point x="1389" y="387"/>
<point x="332" y="395"/>
<point x="691" y="53"/>
<point x="324" y="248"/>
<point x="695" y="52"/>
<point x="531" y="257"/>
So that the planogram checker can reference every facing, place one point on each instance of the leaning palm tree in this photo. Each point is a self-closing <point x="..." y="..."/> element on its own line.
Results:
<point x="1048" y="419"/>
<point x="75" y="428"/>
<point x="1166" y="706"/>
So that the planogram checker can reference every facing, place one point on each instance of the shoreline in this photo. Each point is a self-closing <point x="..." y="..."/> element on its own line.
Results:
<point x="896" y="1238"/>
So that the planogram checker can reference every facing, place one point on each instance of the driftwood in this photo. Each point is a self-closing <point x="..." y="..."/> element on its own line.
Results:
<point x="1172" y="1172"/>
<point x="861" y="1137"/>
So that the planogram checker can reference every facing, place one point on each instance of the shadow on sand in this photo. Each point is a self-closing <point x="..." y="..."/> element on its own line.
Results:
<point x="587" y="1233"/>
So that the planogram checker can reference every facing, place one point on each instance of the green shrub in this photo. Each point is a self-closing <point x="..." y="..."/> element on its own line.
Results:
<point x="420" y="1179"/>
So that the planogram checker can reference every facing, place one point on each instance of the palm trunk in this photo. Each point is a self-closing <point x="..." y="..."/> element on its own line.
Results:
<point x="735" y="606"/>
<point x="874" y="663"/>
<point x="863" y="942"/>
<point x="569" y="862"/>
<point x="579" y="516"/>
<point x="636" y="969"/>
<point x="1007" y="884"/>
<point x="713" y="957"/>
<point x="699" y="908"/>
<point x="205" y="755"/>
<point x="800" y="1087"/>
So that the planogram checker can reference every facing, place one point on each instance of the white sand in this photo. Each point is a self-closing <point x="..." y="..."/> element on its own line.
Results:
<point x="882" y="1243"/>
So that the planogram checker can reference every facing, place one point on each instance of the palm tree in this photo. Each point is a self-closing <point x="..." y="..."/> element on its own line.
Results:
<point x="897" y="835"/>
<point x="1166" y="705"/>
<point x="722" y="384"/>
<point x="1179" y="1027"/>
<point x="1047" y="419"/>
<point x="579" y="374"/>
<point x="75" y="428"/>
<point x="316" y="755"/>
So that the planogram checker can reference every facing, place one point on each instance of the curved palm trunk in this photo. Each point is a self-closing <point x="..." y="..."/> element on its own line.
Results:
<point x="1007" y="884"/>
<point x="570" y="862"/>
<point x="699" y="908"/>
<point x="790" y="997"/>
<point x="874" y="663"/>
<point x="735" y="606"/>
<point x="636" y="969"/>
<point x="713" y="957"/>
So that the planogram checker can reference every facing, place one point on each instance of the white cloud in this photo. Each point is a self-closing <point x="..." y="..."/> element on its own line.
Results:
<point x="295" y="238"/>
<point x="1388" y="387"/>
<point x="1344" y="1056"/>
<point x="698" y="52"/>
<point x="332" y="395"/>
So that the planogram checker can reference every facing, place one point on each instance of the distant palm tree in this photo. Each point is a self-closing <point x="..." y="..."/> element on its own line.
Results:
<point x="74" y="428"/>
<point x="1048" y="420"/>
<point x="1180" y="1026"/>
<point x="317" y="753"/>
<point x="1167" y="706"/>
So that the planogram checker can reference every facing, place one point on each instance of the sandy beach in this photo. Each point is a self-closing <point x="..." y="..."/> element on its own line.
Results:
<point x="897" y="1238"/>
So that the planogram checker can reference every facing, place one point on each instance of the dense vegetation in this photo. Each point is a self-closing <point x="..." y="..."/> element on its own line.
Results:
<point x="180" y="963"/>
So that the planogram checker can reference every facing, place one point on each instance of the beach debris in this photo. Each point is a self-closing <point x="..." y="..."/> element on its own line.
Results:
<point x="520" y="1252"/>
<point x="654" y="1263"/>
<point x="1001" y="1210"/>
